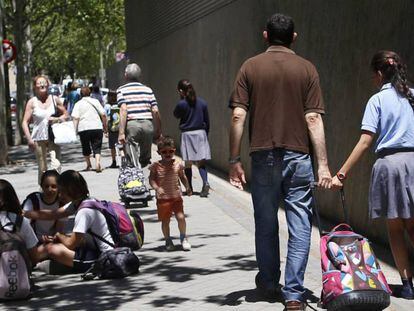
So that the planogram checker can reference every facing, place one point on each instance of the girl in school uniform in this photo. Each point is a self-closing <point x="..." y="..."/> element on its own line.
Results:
<point x="389" y="115"/>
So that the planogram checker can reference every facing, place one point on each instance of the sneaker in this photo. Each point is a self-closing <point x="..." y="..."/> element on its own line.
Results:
<point x="204" y="191"/>
<point x="294" y="305"/>
<point x="169" y="245"/>
<point x="186" y="245"/>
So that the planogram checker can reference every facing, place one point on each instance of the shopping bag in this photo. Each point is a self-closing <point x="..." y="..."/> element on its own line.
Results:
<point x="64" y="133"/>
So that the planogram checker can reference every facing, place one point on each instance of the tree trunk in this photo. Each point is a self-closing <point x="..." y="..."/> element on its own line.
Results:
<point x="20" y="81"/>
<point x="3" y="136"/>
<point x="9" y="130"/>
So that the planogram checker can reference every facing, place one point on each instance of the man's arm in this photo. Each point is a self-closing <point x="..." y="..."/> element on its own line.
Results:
<point x="317" y="136"/>
<point x="122" y="124"/>
<point x="156" y="117"/>
<point x="236" y="173"/>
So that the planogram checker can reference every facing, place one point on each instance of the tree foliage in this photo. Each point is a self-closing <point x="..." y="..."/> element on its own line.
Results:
<point x="67" y="36"/>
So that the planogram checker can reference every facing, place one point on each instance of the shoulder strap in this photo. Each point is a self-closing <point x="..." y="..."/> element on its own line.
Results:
<point x="16" y="225"/>
<point x="55" y="106"/>
<point x="100" y="238"/>
<point x="97" y="111"/>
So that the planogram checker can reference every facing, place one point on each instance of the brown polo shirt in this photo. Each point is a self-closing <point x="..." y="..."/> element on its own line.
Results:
<point x="278" y="88"/>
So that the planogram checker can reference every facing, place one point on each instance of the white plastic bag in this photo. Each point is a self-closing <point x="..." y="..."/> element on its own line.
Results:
<point x="64" y="133"/>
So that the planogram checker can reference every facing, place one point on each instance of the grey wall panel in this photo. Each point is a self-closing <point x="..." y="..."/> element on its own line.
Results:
<point x="338" y="36"/>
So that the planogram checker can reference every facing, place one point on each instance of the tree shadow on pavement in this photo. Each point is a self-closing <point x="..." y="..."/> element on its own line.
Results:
<point x="83" y="296"/>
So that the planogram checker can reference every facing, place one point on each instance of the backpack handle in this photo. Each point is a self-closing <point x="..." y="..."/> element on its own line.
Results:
<point x="342" y="227"/>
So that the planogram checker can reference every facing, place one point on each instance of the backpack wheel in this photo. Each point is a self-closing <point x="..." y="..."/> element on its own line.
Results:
<point x="363" y="300"/>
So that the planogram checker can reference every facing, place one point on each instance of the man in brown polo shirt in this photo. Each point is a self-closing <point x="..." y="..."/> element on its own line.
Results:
<point x="281" y="93"/>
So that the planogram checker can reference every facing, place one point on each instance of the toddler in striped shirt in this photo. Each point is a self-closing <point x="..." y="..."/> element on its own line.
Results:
<point x="165" y="176"/>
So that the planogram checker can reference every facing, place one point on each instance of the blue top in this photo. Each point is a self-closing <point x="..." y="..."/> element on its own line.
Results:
<point x="391" y="117"/>
<point x="192" y="117"/>
<point x="73" y="97"/>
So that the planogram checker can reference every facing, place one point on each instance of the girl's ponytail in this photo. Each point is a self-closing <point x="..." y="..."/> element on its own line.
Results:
<point x="394" y="71"/>
<point x="189" y="93"/>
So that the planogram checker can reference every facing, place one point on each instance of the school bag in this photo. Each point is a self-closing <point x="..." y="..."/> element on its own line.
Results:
<point x="351" y="275"/>
<point x="126" y="227"/>
<point x="131" y="181"/>
<point x="114" y="119"/>
<point x="15" y="264"/>
<point x="118" y="262"/>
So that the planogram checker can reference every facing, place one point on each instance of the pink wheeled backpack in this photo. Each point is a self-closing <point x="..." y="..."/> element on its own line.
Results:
<point x="351" y="275"/>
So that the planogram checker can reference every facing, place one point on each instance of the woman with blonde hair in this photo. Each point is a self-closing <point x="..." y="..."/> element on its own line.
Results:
<point x="43" y="109"/>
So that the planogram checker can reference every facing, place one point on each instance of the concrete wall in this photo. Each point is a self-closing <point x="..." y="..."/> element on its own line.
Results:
<point x="338" y="36"/>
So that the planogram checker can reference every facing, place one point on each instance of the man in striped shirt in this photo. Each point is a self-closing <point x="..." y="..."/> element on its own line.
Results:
<point x="140" y="119"/>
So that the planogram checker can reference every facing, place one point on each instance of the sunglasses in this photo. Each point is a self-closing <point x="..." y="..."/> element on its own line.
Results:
<point x="169" y="151"/>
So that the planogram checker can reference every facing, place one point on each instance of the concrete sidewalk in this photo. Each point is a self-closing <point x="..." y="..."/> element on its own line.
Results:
<point x="218" y="272"/>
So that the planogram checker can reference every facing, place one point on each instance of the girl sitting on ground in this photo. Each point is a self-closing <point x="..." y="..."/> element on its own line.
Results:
<point x="45" y="200"/>
<point x="11" y="215"/>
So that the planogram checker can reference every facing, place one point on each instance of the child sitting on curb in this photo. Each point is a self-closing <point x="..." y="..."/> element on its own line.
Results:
<point x="165" y="176"/>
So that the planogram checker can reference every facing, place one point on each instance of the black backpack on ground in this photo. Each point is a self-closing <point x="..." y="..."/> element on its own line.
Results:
<point x="112" y="264"/>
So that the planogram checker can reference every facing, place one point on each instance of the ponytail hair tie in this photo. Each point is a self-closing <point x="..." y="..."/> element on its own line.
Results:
<point x="391" y="61"/>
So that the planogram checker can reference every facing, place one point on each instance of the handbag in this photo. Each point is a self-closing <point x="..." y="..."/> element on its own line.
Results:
<point x="55" y="114"/>
<point x="113" y="263"/>
<point x="64" y="133"/>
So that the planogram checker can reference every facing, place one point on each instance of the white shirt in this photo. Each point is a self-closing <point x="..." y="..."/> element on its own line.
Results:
<point x="88" y="218"/>
<point x="42" y="227"/>
<point x="88" y="116"/>
<point x="40" y="118"/>
<point x="26" y="231"/>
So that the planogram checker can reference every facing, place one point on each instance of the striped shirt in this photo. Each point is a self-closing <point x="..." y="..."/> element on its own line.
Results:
<point x="139" y="100"/>
<point x="167" y="177"/>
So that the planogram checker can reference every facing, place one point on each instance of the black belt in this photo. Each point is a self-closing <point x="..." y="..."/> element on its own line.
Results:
<point x="389" y="151"/>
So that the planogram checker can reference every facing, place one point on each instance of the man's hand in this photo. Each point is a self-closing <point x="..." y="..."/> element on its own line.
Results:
<point x="336" y="183"/>
<point x="121" y="139"/>
<point x="236" y="175"/>
<point x="324" y="177"/>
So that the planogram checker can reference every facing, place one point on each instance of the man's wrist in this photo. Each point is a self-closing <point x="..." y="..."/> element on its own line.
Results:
<point x="234" y="160"/>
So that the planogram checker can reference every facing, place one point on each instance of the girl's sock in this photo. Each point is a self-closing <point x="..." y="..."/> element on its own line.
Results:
<point x="189" y="174"/>
<point x="203" y="173"/>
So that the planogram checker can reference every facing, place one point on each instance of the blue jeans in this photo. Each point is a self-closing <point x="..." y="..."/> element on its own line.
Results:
<point x="277" y="175"/>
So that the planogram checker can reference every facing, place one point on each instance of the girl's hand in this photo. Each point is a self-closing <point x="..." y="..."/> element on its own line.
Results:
<point x="336" y="183"/>
<point x="47" y="239"/>
<point x="189" y="192"/>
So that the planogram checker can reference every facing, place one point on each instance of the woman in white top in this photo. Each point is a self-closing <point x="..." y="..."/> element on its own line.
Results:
<point x="40" y="110"/>
<point x="90" y="122"/>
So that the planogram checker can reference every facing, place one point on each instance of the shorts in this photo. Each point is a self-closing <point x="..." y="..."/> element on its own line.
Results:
<point x="166" y="207"/>
<point x="91" y="138"/>
<point x="84" y="259"/>
<point x="112" y="139"/>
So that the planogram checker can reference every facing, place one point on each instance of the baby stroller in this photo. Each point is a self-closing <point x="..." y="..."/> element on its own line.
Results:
<point x="131" y="180"/>
<point x="351" y="275"/>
